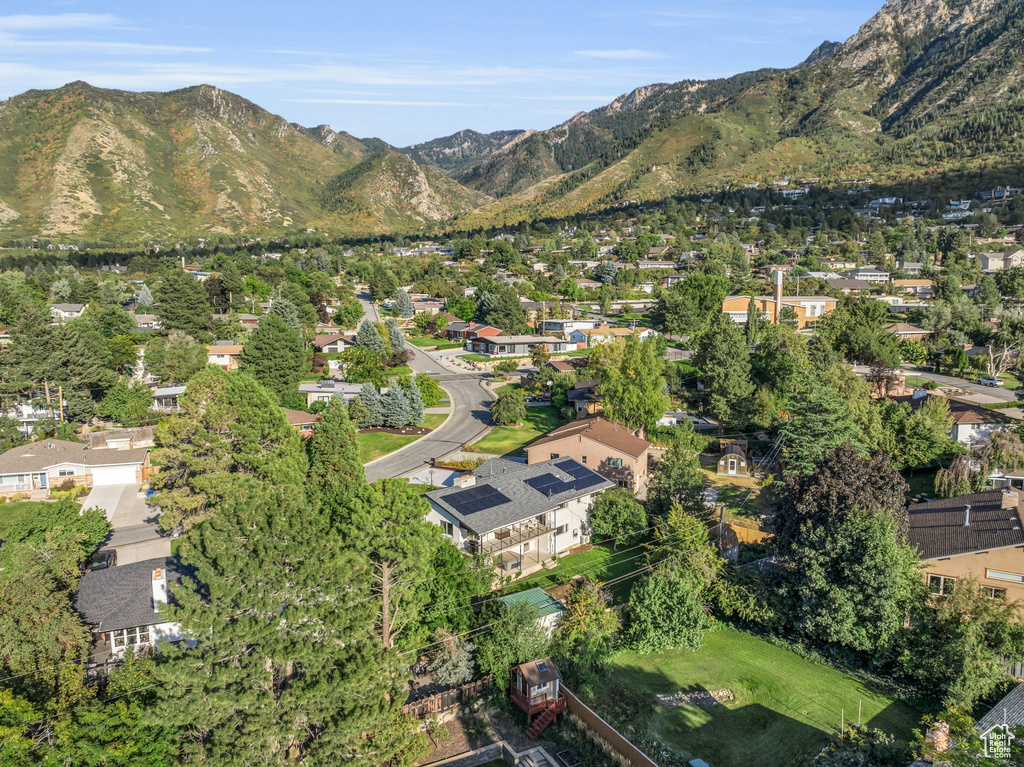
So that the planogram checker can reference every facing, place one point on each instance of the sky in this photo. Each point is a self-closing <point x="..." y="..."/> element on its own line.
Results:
<point x="408" y="72"/>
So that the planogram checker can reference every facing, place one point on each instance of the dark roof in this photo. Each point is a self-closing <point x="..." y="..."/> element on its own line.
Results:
<point x="122" y="597"/>
<point x="39" y="456"/>
<point x="937" y="527"/>
<point x="456" y="326"/>
<point x="584" y="391"/>
<point x="732" y="449"/>
<point x="539" y="671"/>
<point x="500" y="478"/>
<point x="1010" y="711"/>
<point x="960" y="410"/>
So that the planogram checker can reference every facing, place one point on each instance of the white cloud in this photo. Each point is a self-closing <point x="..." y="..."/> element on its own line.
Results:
<point x="623" y="53"/>
<point x="24" y="22"/>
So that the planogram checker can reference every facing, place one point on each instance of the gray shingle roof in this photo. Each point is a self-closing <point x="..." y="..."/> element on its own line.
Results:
<point x="510" y="477"/>
<point x="937" y="528"/>
<point x="1010" y="710"/>
<point x="122" y="597"/>
<point x="38" y="456"/>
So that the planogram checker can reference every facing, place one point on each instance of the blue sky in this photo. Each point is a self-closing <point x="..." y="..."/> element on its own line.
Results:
<point x="412" y="71"/>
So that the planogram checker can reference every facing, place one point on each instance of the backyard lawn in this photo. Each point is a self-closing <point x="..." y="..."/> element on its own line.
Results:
<point x="785" y="706"/>
<point x="505" y="440"/>
<point x="380" y="443"/>
<point x="734" y="492"/>
<point x="599" y="563"/>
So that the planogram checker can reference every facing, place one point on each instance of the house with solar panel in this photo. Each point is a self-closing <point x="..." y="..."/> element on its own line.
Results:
<point x="522" y="515"/>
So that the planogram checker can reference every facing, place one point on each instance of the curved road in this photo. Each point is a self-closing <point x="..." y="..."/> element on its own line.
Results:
<point x="470" y="419"/>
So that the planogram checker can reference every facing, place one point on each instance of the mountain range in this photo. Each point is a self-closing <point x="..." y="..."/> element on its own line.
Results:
<point x="924" y="88"/>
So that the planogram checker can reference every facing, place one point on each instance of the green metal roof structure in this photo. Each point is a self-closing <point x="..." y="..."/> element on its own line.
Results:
<point x="537" y="598"/>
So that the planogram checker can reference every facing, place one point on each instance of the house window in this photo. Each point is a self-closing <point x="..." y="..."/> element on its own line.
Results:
<point x="552" y="456"/>
<point x="993" y="592"/>
<point x="448" y="527"/>
<point x="123" y="638"/>
<point x="583" y="460"/>
<point x="561" y="529"/>
<point x="999" y="575"/>
<point x="614" y="463"/>
<point x="540" y="692"/>
<point x="65" y="472"/>
<point x="941" y="584"/>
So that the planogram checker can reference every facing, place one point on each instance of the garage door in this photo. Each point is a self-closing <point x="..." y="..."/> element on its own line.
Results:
<point x="113" y="475"/>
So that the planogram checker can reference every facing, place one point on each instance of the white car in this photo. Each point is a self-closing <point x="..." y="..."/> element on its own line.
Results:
<point x="987" y="381"/>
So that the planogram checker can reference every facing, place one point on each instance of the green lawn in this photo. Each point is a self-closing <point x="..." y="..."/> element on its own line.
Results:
<point x="920" y="481"/>
<point x="785" y="706"/>
<point x="599" y="563"/>
<point x="401" y="370"/>
<point x="377" y="444"/>
<point x="438" y="343"/>
<point x="744" y="498"/>
<point x="15" y="511"/>
<point x="505" y="440"/>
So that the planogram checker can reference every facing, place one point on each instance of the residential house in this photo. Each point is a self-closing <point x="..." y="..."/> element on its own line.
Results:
<point x="912" y="268"/>
<point x="333" y="343"/>
<point x="471" y="332"/>
<point x="562" y="328"/>
<point x="248" y="321"/>
<point x="907" y="332"/>
<point x="602" y="334"/>
<point x="868" y="275"/>
<point x="325" y="390"/>
<point x="997" y="262"/>
<point x="585" y="284"/>
<point x="40" y="465"/>
<point x="808" y="309"/>
<point x="148" y="322"/>
<point x="646" y="264"/>
<point x="918" y="288"/>
<point x="849" y="286"/>
<point x="610" y="449"/>
<point x="122" y="605"/>
<point x="304" y="423"/>
<point x="224" y="354"/>
<point x="978" y="536"/>
<point x="673" y="279"/>
<point x="60" y="313"/>
<point x="972" y="423"/>
<point x="432" y="326"/>
<point x="584" y="398"/>
<point x="522" y="514"/>
<point x="517" y="346"/>
<point x="165" y="398"/>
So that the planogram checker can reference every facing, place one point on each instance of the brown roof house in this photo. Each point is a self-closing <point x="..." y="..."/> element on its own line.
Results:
<point x="978" y="536"/>
<point x="972" y="423"/>
<point x="51" y="462"/>
<point x="612" y="450"/>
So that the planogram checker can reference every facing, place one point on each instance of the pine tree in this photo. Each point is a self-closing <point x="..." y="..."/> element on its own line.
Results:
<point x="335" y="471"/>
<point x="403" y="304"/>
<point x="287" y="311"/>
<point x="275" y="356"/>
<point x="144" y="296"/>
<point x="175" y="358"/>
<point x="182" y="305"/>
<point x="371" y="401"/>
<point x="228" y="425"/>
<point x="368" y="337"/>
<point x="232" y="284"/>
<point x="395" y="338"/>
<point x="414" y="404"/>
<point x="285" y="670"/>
<point x="395" y="407"/>
<point x="385" y="524"/>
<point x="753" y="322"/>
<point x="382" y="283"/>
<point x="724" y="362"/>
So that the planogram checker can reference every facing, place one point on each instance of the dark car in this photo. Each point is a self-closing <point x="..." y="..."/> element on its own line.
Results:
<point x="101" y="560"/>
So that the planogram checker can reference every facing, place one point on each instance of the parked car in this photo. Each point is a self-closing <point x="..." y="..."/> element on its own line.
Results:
<point x="987" y="381"/>
<point x="101" y="560"/>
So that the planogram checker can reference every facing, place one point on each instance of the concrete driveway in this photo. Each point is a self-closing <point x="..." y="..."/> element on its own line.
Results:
<point x="134" y="530"/>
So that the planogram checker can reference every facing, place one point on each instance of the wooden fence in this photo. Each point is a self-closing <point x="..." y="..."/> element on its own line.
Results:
<point x="446" y="699"/>
<point x="748" y="535"/>
<point x="601" y="729"/>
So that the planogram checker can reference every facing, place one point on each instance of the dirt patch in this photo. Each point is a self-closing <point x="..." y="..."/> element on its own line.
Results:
<point x="410" y="430"/>
<point x="702" y="698"/>
<point x="469" y="732"/>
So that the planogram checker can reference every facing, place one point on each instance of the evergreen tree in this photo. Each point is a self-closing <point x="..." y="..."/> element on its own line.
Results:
<point x="285" y="670"/>
<point x="403" y="304"/>
<point x="335" y="471"/>
<point x="678" y="480"/>
<point x="228" y="425"/>
<point x="753" y="322"/>
<point x="385" y="524"/>
<point x="382" y="283"/>
<point x="127" y="402"/>
<point x="502" y="309"/>
<point x="666" y="612"/>
<point x="820" y="419"/>
<point x="181" y="305"/>
<point x="508" y="409"/>
<point x="286" y="310"/>
<point x="395" y="407"/>
<point x="724" y="364"/>
<point x="414" y="403"/>
<point x="395" y="339"/>
<point x="371" y="401"/>
<point x="275" y="356"/>
<point x="368" y="337"/>
<point x="174" y="358"/>
<point x="144" y="297"/>
<point x="232" y="284"/>
<point x="81" y="363"/>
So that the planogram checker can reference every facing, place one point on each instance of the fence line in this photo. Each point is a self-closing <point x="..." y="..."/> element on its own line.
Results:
<point x="446" y="699"/>
<point x="600" y="728"/>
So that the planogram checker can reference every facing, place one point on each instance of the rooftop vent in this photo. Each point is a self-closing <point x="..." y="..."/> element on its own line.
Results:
<point x="967" y="515"/>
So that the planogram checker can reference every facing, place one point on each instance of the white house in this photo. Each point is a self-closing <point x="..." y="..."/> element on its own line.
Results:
<point x="51" y="462"/>
<point x="521" y="514"/>
<point x="325" y="390"/>
<point x="123" y="604"/>
<point x="64" y="312"/>
<point x="601" y="334"/>
<point x="564" y="327"/>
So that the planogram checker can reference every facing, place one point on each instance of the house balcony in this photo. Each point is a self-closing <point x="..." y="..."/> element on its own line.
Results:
<point x="508" y="537"/>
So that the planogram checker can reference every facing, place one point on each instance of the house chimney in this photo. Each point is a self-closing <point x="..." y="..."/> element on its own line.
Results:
<point x="778" y="297"/>
<point x="937" y="738"/>
<point x="465" y="480"/>
<point x="967" y="515"/>
<point x="159" y="588"/>
<point x="1011" y="498"/>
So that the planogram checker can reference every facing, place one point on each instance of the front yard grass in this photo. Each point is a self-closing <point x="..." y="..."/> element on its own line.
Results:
<point x="785" y="706"/>
<point x="380" y="443"/>
<point x="506" y="440"/>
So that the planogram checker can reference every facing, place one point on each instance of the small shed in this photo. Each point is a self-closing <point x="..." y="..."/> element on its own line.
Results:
<point x="549" y="611"/>
<point x="733" y="460"/>
<point x="537" y="689"/>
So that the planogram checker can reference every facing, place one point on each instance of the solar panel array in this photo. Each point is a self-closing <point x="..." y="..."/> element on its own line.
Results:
<point x="550" y="485"/>
<point x="476" y="499"/>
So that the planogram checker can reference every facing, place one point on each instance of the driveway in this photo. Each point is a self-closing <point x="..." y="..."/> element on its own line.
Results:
<point x="982" y="395"/>
<point x="134" y="530"/>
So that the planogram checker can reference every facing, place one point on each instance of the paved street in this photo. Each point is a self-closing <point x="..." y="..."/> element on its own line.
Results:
<point x="471" y="417"/>
<point x="135" y="532"/>
<point x="981" y="394"/>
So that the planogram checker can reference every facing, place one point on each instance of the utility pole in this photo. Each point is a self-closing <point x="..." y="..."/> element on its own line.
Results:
<point x="60" y="401"/>
<point x="46" y="388"/>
